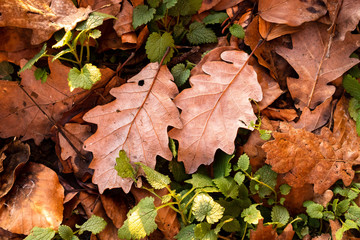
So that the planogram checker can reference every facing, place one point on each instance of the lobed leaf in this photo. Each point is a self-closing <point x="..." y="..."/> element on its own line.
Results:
<point x="85" y="78"/>
<point x="251" y="215"/>
<point x="352" y="86"/>
<point x="180" y="73"/>
<point x="186" y="233"/>
<point x="280" y="214"/>
<point x="227" y="186"/>
<point x="123" y="166"/>
<point x="199" y="34"/>
<point x="94" y="224"/>
<point x="203" y="231"/>
<point x="204" y="206"/>
<point x="41" y="234"/>
<point x="156" y="46"/>
<point x="142" y="14"/>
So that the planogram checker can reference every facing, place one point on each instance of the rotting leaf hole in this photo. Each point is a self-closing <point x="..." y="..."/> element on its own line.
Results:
<point x="141" y="83"/>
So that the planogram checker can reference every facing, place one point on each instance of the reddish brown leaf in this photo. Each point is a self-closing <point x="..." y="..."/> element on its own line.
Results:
<point x="28" y="204"/>
<point x="270" y="31"/>
<point x="123" y="23"/>
<point x="291" y="12"/>
<point x="214" y="108"/>
<point x="287" y="234"/>
<point x="280" y="114"/>
<point x="317" y="159"/>
<point x="263" y="232"/>
<point x="43" y="17"/>
<point x="136" y="122"/>
<point x="115" y="208"/>
<point x="111" y="7"/>
<point x="224" y="4"/>
<point x="315" y="71"/>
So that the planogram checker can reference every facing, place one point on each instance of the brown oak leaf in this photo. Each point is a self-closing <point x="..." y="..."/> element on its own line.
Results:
<point x="215" y="107"/>
<point x="315" y="70"/>
<point x="136" y="122"/>
<point x="317" y="159"/>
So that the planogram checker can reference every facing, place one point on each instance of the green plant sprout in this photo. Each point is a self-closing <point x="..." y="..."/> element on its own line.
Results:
<point x="84" y="75"/>
<point x="94" y="224"/>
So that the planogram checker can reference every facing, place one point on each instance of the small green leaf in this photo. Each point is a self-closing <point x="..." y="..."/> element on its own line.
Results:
<point x="199" y="180"/>
<point x="352" y="86"/>
<point x="64" y="40"/>
<point x="280" y="214"/>
<point x="41" y="73"/>
<point x="204" y="206"/>
<point x="271" y="201"/>
<point x="6" y="69"/>
<point x="227" y="186"/>
<point x="235" y="206"/>
<point x="85" y="78"/>
<point x="185" y="7"/>
<point x="141" y="15"/>
<point x="342" y="207"/>
<point x="251" y="215"/>
<point x="59" y="54"/>
<point x="243" y="162"/>
<point x="140" y="220"/>
<point x="165" y="198"/>
<point x="156" y="179"/>
<point x="282" y="200"/>
<point x="353" y="214"/>
<point x="233" y="226"/>
<point x="179" y="32"/>
<point x="266" y="175"/>
<point x="94" y="20"/>
<point x="328" y="215"/>
<point x="41" y="234"/>
<point x="94" y="224"/>
<point x="153" y="3"/>
<point x="237" y="31"/>
<point x="170" y="3"/>
<point x="347" y="225"/>
<point x="239" y="178"/>
<point x="32" y="61"/>
<point x="222" y="165"/>
<point x="285" y="189"/>
<point x="156" y="46"/>
<point x="65" y="232"/>
<point x="180" y="73"/>
<point x="199" y="34"/>
<point x="214" y="18"/>
<point x="172" y="146"/>
<point x="178" y="171"/>
<point x="123" y="166"/>
<point x="203" y="231"/>
<point x="95" y="34"/>
<point x="314" y="210"/>
<point x="186" y="233"/>
<point x="265" y="134"/>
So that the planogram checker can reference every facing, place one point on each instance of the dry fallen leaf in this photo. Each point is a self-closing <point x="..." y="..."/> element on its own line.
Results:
<point x="270" y="31"/>
<point x="36" y="200"/>
<point x="136" y="122"/>
<point x="315" y="70"/>
<point x="280" y="114"/>
<point x="317" y="159"/>
<point x="123" y="23"/>
<point x="111" y="7"/>
<point x="263" y="232"/>
<point x="214" y="108"/>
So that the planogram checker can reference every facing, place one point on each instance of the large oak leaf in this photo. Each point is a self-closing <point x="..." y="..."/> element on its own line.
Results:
<point x="316" y="159"/>
<point x="136" y="122"/>
<point x="316" y="70"/>
<point x="215" y="107"/>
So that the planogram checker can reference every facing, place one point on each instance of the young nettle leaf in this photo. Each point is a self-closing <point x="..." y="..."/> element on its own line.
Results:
<point x="41" y="73"/>
<point x="199" y="34"/>
<point x="314" y="210"/>
<point x="243" y="162"/>
<point x="32" y="61"/>
<point x="179" y="32"/>
<point x="203" y="231"/>
<point x="123" y="166"/>
<point x="251" y="215"/>
<point x="265" y="134"/>
<point x="94" y="20"/>
<point x="222" y="165"/>
<point x="64" y="40"/>
<point x="178" y="171"/>
<point x="204" y="206"/>
<point x="95" y="34"/>
<point x="199" y="180"/>
<point x="232" y="226"/>
<point x="155" y="179"/>
<point x="214" y="18"/>
<point x="342" y="207"/>
<point x="6" y="69"/>
<point x="165" y="198"/>
<point x="140" y="220"/>
<point x="227" y="186"/>
<point x="153" y="3"/>
<point x="184" y="7"/>
<point x="66" y="232"/>
<point x="169" y="3"/>
<point x="280" y="214"/>
<point x="156" y="46"/>
<point x="239" y="177"/>
<point x="237" y="31"/>
<point x="186" y="233"/>
<point x="328" y="215"/>
<point x="41" y="234"/>
<point x="267" y="176"/>
<point x="234" y="207"/>
<point x="353" y="214"/>
<point x="94" y="224"/>
<point x="352" y="86"/>
<point x="85" y="78"/>
<point x="347" y="225"/>
<point x="180" y="73"/>
<point x="142" y="15"/>
<point x="285" y="189"/>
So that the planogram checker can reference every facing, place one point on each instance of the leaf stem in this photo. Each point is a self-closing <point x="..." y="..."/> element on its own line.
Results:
<point x="260" y="182"/>
<point x="242" y="238"/>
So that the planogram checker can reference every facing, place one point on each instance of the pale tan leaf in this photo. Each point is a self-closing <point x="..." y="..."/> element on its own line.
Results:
<point x="214" y="108"/>
<point x="136" y="122"/>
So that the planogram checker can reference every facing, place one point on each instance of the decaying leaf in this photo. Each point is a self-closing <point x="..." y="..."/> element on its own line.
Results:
<point x="317" y="159"/>
<point x="280" y="114"/>
<point x="315" y="70"/>
<point x="123" y="23"/>
<point x="136" y="122"/>
<point x="19" y="116"/>
<point x="263" y="232"/>
<point x="270" y="31"/>
<point x="214" y="108"/>
<point x="43" y="17"/>
<point x="36" y="200"/>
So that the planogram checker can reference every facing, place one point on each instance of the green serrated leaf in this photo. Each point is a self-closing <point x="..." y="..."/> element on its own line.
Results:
<point x="65" y="232"/>
<point x="285" y="189"/>
<point x="265" y="134"/>
<point x="172" y="146"/>
<point x="156" y="179"/>
<point x="347" y="225"/>
<point x="237" y="31"/>
<point x="199" y="180"/>
<point x="6" y="69"/>
<point x="185" y="7"/>
<point x="328" y="215"/>
<point x="85" y="78"/>
<point x="352" y="86"/>
<point x="179" y="32"/>
<point x="265" y="175"/>
<point x="169" y="3"/>
<point x="227" y="186"/>
<point x="243" y="162"/>
<point x="239" y="178"/>
<point x="204" y="206"/>
<point x="314" y="210"/>
<point x="214" y="18"/>
<point x="232" y="226"/>
<point x="94" y="20"/>
<point x="41" y="73"/>
<point x="165" y="198"/>
<point x="41" y="234"/>
<point x="32" y="61"/>
<point x="222" y="165"/>
<point x="156" y="46"/>
<point x="153" y="3"/>
<point x="203" y="231"/>
<point x="251" y="215"/>
<point x="142" y="15"/>
<point x="64" y="40"/>
<point x="95" y="34"/>
<point x="140" y="220"/>
<point x="178" y="171"/>
<point x="186" y="233"/>
<point x="280" y="214"/>
<point x="271" y="201"/>
<point x="59" y="54"/>
<point x="342" y="207"/>
<point x="180" y="73"/>
<point x="199" y="34"/>
<point x="353" y="214"/>
<point x="123" y="166"/>
<point x="282" y="200"/>
<point x="94" y="224"/>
